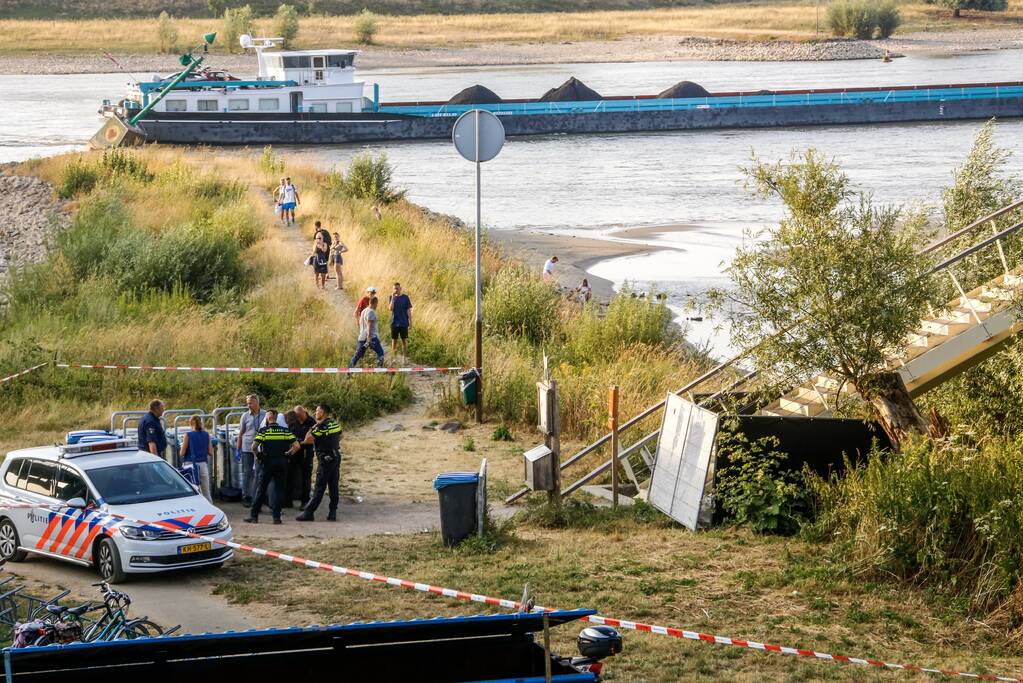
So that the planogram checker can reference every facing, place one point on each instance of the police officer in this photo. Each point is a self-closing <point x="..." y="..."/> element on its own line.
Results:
<point x="326" y="440"/>
<point x="273" y="444"/>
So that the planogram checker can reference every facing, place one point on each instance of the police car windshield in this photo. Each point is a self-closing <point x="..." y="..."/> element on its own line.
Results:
<point x="139" y="482"/>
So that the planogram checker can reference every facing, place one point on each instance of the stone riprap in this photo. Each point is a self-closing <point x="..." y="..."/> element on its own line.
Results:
<point x="32" y="217"/>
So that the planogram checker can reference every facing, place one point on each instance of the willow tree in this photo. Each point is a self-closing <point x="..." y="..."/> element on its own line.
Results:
<point x="833" y="288"/>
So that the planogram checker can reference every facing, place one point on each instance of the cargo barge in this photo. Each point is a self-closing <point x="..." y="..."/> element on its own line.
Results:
<point x="313" y="97"/>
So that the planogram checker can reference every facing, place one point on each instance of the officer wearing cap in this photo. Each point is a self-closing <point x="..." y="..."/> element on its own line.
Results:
<point x="273" y="444"/>
<point x="325" y="438"/>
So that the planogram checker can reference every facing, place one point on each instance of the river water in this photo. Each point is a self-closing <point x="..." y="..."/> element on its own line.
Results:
<point x="595" y="184"/>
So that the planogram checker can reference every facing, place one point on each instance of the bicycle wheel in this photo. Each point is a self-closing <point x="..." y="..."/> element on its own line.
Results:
<point x="140" y="628"/>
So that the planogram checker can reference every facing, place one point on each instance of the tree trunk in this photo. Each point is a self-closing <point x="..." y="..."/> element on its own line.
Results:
<point x="895" y="409"/>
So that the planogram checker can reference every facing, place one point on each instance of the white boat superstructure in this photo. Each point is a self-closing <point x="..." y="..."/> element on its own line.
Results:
<point x="288" y="81"/>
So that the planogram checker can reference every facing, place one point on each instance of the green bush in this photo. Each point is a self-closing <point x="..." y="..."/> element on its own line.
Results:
<point x="286" y="24"/>
<point x="365" y="27"/>
<point x="78" y="177"/>
<point x="856" y="18"/>
<point x="237" y="21"/>
<point x="628" y="320"/>
<point x="124" y="164"/>
<point x="754" y="489"/>
<point x="502" y="433"/>
<point x="367" y="177"/>
<point x="945" y="515"/>
<point x="167" y="33"/>
<point x="517" y="303"/>
<point x="271" y="163"/>
<point x="887" y="18"/>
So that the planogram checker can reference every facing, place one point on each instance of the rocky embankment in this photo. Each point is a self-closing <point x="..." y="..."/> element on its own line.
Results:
<point x="32" y="217"/>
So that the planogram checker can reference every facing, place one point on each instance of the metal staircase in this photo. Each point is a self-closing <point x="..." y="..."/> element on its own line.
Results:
<point x="983" y="283"/>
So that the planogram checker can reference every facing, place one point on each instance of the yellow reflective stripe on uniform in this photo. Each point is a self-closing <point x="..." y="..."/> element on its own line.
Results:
<point x="329" y="429"/>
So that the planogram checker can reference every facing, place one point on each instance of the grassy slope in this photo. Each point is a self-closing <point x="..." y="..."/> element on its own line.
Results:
<point x="724" y="582"/>
<point x="792" y="19"/>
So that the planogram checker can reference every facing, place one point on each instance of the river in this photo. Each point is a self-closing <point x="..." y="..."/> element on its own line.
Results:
<point x="596" y="184"/>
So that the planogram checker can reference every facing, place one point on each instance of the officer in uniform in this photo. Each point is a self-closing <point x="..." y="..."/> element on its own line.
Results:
<point x="325" y="438"/>
<point x="273" y="444"/>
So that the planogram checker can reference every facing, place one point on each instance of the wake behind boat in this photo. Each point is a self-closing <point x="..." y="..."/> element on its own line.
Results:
<point x="313" y="97"/>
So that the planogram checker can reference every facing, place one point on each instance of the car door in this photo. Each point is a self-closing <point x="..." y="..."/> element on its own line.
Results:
<point x="73" y="536"/>
<point x="36" y="481"/>
<point x="15" y="471"/>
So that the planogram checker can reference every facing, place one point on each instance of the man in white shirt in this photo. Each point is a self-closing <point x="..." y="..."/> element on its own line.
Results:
<point x="548" y="269"/>
<point x="289" y="200"/>
<point x="369" y="336"/>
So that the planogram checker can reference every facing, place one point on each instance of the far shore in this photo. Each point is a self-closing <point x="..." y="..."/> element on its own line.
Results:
<point x="628" y="49"/>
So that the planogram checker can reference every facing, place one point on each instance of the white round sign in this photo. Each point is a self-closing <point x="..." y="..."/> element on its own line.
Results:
<point x="491" y="135"/>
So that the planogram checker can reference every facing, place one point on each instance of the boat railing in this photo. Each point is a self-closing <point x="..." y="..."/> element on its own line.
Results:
<point x="731" y="101"/>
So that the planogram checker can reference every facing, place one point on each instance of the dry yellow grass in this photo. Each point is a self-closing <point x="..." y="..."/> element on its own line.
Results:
<point x="770" y="19"/>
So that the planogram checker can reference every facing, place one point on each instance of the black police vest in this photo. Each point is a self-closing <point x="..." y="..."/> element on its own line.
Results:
<point x="327" y="436"/>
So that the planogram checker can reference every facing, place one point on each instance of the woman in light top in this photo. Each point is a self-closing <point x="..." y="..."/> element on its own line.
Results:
<point x="584" y="292"/>
<point x="197" y="448"/>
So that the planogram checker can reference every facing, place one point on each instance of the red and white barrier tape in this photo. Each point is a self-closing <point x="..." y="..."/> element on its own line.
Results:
<point x="280" y="371"/>
<point x="23" y="372"/>
<point x="514" y="604"/>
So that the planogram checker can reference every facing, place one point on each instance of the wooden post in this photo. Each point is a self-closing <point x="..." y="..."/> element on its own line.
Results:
<point x="612" y="405"/>
<point x="553" y="441"/>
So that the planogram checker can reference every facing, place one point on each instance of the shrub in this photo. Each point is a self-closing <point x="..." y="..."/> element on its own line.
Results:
<point x="237" y="21"/>
<point x="167" y="33"/>
<point x="469" y="444"/>
<point x="502" y="433"/>
<point x="517" y="303"/>
<point x="754" y="489"/>
<point x="271" y="163"/>
<point x="78" y="177"/>
<point x="365" y="27"/>
<point x="855" y="18"/>
<point x="628" y="320"/>
<point x="888" y="19"/>
<point x="286" y="24"/>
<point x="119" y="162"/>
<point x="945" y="515"/>
<point x="367" y="177"/>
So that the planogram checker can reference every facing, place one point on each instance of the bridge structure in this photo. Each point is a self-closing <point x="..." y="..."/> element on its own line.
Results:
<point x="979" y="269"/>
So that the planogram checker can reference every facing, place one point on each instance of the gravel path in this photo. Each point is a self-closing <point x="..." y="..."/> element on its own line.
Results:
<point x="632" y="49"/>
<point x="32" y="217"/>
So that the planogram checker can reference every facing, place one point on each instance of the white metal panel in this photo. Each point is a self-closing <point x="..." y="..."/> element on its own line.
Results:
<point x="683" y="459"/>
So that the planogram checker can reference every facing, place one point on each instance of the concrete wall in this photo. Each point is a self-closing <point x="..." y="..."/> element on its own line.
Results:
<point x="310" y="131"/>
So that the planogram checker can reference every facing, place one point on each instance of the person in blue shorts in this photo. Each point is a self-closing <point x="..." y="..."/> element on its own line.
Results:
<point x="289" y="200"/>
<point x="401" y="319"/>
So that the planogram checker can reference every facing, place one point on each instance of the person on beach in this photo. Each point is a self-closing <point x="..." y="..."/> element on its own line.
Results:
<point x="322" y="232"/>
<point x="548" y="269"/>
<point x="584" y="292"/>
<point x="321" y="256"/>
<point x="197" y="449"/>
<point x="289" y="200"/>
<point x="278" y="197"/>
<point x="337" y="260"/>
<point x="369" y="336"/>
<point x="400" y="307"/>
<point x="364" y="303"/>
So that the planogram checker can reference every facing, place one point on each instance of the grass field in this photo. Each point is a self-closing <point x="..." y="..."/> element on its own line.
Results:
<point x="635" y="567"/>
<point x="778" y="19"/>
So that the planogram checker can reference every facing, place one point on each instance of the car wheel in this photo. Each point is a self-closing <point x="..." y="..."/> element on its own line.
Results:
<point x="108" y="562"/>
<point x="9" y="543"/>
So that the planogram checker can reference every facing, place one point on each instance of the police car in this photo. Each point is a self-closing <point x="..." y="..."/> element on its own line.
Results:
<point x="84" y="491"/>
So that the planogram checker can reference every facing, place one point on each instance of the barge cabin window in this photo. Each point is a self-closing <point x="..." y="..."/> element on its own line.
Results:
<point x="175" y="105"/>
<point x="238" y="105"/>
<point x="317" y="107"/>
<point x="343" y="61"/>
<point x="208" y="105"/>
<point x="296" y="62"/>
<point x="343" y="107"/>
<point x="269" y="104"/>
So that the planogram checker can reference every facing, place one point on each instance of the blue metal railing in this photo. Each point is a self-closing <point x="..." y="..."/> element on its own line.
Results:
<point x="773" y="100"/>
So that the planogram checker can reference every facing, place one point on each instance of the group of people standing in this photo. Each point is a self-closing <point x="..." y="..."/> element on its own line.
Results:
<point x="286" y="200"/>
<point x="327" y="254"/>
<point x="277" y="452"/>
<point x="400" y="306"/>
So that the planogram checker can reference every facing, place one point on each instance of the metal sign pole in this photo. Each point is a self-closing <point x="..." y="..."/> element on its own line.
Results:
<point x="479" y="285"/>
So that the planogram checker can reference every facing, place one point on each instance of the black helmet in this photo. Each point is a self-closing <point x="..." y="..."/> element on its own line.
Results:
<point x="598" y="642"/>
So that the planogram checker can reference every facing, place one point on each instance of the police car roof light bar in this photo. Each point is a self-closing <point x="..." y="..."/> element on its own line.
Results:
<point x="79" y="449"/>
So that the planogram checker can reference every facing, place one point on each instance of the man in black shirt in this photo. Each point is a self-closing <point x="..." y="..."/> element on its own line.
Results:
<point x="273" y="444"/>
<point x="300" y="466"/>
<point x="325" y="437"/>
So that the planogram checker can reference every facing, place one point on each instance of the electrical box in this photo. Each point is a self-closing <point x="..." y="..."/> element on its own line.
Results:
<point x="539" y="469"/>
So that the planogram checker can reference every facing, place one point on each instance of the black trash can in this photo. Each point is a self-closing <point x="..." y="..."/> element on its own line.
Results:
<point x="469" y="383"/>
<point x="457" y="493"/>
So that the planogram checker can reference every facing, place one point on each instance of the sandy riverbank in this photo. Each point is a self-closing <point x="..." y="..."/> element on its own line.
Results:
<point x="653" y="48"/>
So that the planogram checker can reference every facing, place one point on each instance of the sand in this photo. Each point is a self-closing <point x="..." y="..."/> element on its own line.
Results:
<point x="633" y="49"/>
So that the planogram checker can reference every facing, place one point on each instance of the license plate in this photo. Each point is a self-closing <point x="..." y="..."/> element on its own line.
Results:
<point x="194" y="548"/>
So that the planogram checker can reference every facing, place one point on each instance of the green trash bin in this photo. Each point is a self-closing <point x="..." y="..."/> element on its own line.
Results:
<point x="470" y="385"/>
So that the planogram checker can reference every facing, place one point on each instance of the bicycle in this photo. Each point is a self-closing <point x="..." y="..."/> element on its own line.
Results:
<point x="115" y="624"/>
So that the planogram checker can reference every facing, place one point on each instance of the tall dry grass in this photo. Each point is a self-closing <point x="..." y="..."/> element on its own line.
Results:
<point x="790" y="19"/>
